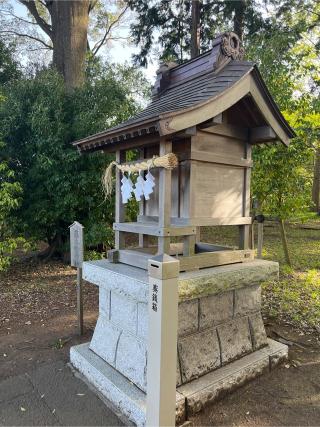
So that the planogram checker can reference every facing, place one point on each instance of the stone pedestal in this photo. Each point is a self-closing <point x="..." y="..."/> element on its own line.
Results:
<point x="221" y="336"/>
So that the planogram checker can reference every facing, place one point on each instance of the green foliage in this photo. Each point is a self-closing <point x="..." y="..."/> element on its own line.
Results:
<point x="294" y="299"/>
<point x="10" y="189"/>
<point x="280" y="183"/>
<point x="168" y="23"/>
<point x="10" y="196"/>
<point x="39" y="121"/>
<point x="8" y="67"/>
<point x="282" y="177"/>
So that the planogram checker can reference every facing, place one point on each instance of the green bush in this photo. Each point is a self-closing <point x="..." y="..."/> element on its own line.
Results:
<point x="10" y="193"/>
<point x="39" y="120"/>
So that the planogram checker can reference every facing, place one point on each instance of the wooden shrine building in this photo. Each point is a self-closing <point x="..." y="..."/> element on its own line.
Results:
<point x="209" y="112"/>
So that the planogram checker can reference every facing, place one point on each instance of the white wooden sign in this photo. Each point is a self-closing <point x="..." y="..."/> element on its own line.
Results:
<point x="163" y="273"/>
<point x="76" y="244"/>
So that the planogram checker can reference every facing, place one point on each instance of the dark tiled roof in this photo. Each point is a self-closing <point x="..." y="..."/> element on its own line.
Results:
<point x="182" y="92"/>
<point x="190" y="93"/>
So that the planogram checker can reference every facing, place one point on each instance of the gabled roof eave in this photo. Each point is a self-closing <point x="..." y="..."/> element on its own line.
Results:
<point x="250" y="84"/>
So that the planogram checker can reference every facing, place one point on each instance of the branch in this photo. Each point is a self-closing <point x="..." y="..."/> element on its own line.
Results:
<point x="7" y="12"/>
<point x="31" y="6"/>
<point x="99" y="44"/>
<point x="26" y="35"/>
<point x="92" y="5"/>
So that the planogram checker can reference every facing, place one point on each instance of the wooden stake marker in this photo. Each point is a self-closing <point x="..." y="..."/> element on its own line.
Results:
<point x="76" y="257"/>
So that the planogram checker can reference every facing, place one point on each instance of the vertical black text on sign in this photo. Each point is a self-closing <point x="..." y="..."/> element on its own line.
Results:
<point x="155" y="297"/>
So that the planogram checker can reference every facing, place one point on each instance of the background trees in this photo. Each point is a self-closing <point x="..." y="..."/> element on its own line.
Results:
<point x="39" y="121"/>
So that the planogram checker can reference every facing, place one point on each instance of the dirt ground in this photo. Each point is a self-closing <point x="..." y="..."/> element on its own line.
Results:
<point x="37" y="315"/>
<point x="38" y="325"/>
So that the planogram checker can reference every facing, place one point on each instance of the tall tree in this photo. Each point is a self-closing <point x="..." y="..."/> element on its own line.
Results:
<point x="239" y="17"/>
<point x="167" y="23"/>
<point x="68" y="32"/>
<point x="66" y="27"/>
<point x="195" y="29"/>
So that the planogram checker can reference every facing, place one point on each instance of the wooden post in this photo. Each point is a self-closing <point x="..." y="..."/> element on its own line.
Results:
<point x="244" y="230"/>
<point x="79" y="301"/>
<point x="260" y="220"/>
<point x="163" y="273"/>
<point x="164" y="198"/>
<point x="120" y="208"/>
<point x="284" y="242"/>
<point x="252" y="235"/>
<point x="260" y="240"/>
<point x="76" y="256"/>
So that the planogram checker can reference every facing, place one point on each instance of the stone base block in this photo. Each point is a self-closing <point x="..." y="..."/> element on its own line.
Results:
<point x="216" y="324"/>
<point x="191" y="397"/>
<point x="214" y="385"/>
<point x="126" y="397"/>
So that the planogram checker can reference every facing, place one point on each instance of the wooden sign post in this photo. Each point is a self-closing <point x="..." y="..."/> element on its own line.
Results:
<point x="76" y="256"/>
<point x="163" y="273"/>
<point x="260" y="219"/>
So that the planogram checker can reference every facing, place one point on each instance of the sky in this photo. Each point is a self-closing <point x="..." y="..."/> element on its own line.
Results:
<point x="118" y="51"/>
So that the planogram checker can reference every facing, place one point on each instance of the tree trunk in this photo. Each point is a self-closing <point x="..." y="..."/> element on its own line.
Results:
<point x="238" y="19"/>
<point x="195" y="28"/>
<point x="284" y="242"/>
<point x="316" y="181"/>
<point x="70" y="19"/>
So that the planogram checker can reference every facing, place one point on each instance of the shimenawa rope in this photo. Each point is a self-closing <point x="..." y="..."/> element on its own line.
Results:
<point x="168" y="161"/>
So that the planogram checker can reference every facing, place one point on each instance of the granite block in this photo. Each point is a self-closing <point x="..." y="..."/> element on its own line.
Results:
<point x="216" y="309"/>
<point x="247" y="300"/>
<point x="124" y="312"/>
<point x="105" y="339"/>
<point x="188" y="317"/>
<point x="131" y="360"/>
<point x="198" y="353"/>
<point x="258" y="332"/>
<point x="235" y="339"/>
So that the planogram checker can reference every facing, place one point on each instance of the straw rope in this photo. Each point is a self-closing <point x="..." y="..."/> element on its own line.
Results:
<point x="168" y="161"/>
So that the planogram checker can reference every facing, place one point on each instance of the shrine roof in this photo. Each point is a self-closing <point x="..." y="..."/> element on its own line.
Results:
<point x="191" y="87"/>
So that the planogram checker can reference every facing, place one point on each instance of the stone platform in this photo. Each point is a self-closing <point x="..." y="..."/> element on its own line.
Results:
<point x="219" y="324"/>
<point x="190" y="398"/>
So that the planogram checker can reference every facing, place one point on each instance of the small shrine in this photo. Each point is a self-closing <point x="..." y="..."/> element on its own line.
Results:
<point x="193" y="148"/>
<point x="204" y="118"/>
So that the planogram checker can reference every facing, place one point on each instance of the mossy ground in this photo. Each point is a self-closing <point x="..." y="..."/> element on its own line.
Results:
<point x="295" y="297"/>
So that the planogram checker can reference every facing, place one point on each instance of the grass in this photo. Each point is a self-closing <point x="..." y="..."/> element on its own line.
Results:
<point x="295" y="297"/>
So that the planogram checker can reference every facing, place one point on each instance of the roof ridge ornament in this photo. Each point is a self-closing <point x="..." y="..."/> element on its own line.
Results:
<point x="225" y="48"/>
<point x="231" y="46"/>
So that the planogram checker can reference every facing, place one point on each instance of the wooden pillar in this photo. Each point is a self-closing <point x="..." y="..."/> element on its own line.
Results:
<point x="164" y="198"/>
<point x="120" y="208"/>
<point x="189" y="242"/>
<point x="143" y="238"/>
<point x="244" y="230"/>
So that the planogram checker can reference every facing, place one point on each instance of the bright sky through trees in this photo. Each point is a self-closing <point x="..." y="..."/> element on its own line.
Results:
<point x="119" y="51"/>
